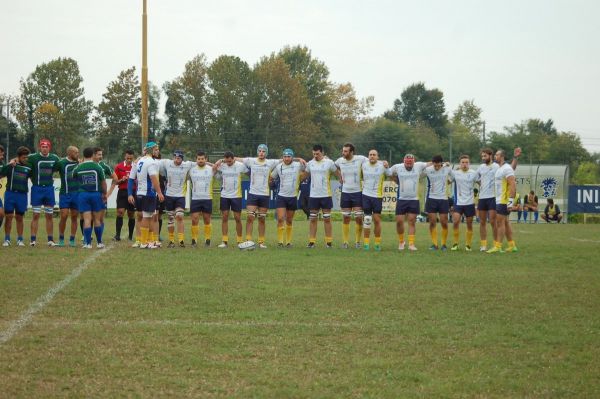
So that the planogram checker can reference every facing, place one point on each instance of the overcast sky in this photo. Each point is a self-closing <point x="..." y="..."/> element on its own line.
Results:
<point x="516" y="59"/>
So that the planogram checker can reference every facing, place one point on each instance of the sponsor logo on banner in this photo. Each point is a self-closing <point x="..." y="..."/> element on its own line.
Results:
<point x="584" y="199"/>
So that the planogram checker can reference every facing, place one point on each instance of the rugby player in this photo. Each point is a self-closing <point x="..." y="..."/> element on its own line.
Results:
<point x="1" y="165"/>
<point x="464" y="180"/>
<point x="68" y="197"/>
<point x="436" y="200"/>
<point x="122" y="170"/>
<point x="374" y="173"/>
<point x="288" y="172"/>
<point x="17" y="173"/>
<point x="108" y="173"/>
<point x="201" y="179"/>
<point x="350" y="167"/>
<point x="42" y="189"/>
<point x="230" y="172"/>
<point x="505" y="196"/>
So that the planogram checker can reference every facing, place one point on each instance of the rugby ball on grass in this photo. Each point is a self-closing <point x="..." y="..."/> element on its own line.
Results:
<point x="247" y="246"/>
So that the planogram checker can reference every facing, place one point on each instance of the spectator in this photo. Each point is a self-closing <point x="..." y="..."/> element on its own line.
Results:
<point x="552" y="212"/>
<point x="530" y="204"/>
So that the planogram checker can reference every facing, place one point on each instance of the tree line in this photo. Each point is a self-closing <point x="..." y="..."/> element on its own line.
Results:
<point x="286" y="99"/>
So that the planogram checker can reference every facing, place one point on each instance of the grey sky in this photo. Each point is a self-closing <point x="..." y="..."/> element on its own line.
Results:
<point x="516" y="59"/>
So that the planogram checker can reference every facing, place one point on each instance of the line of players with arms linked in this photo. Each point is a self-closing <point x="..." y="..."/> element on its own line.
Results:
<point x="84" y="192"/>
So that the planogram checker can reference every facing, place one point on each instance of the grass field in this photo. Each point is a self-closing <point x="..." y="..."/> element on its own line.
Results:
<point x="306" y="323"/>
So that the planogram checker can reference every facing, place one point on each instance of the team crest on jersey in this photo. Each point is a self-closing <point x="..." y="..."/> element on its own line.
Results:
<point x="549" y="185"/>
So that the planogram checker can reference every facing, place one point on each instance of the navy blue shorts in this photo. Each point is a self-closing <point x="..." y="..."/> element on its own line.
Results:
<point x="260" y="201"/>
<point x="68" y="201"/>
<point x="486" y="204"/>
<point x="146" y="203"/>
<point x="467" y="210"/>
<point x="90" y="201"/>
<point x="436" y="205"/>
<point x="15" y="202"/>
<point x="173" y="203"/>
<point x="289" y="203"/>
<point x="371" y="204"/>
<point x="1" y="205"/>
<point x="42" y="195"/>
<point x="502" y="209"/>
<point x="351" y="200"/>
<point x="204" y="206"/>
<point x="234" y="204"/>
<point x="314" y="204"/>
<point x="407" y="206"/>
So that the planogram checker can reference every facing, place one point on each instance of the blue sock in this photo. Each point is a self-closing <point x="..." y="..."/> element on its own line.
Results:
<point x="50" y="238"/>
<point x="525" y="216"/>
<point x="61" y="237"/>
<point x="87" y="235"/>
<point x="6" y="237"/>
<point x="535" y="216"/>
<point x="71" y="238"/>
<point x="98" y="232"/>
<point x="20" y="238"/>
<point x="33" y="238"/>
<point x="519" y="216"/>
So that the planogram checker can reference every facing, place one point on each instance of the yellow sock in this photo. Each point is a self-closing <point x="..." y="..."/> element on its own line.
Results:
<point x="248" y="237"/>
<point x="312" y="239"/>
<point x="411" y="239"/>
<point x="433" y="234"/>
<point x="497" y="244"/>
<point x="401" y="238"/>
<point x="195" y="232"/>
<point x="239" y="239"/>
<point x="180" y="237"/>
<point x="144" y="235"/>
<point x="377" y="240"/>
<point x="153" y="236"/>
<point x="483" y="243"/>
<point x="469" y="237"/>
<point x="171" y="236"/>
<point x="444" y="235"/>
<point x="261" y="239"/>
<point x="224" y="239"/>
<point x="367" y="240"/>
<point x="207" y="231"/>
<point x="328" y="240"/>
<point x="358" y="232"/>
<point x="280" y="233"/>
<point x="345" y="232"/>
<point x="512" y="244"/>
<point x="288" y="233"/>
<point x="455" y="234"/>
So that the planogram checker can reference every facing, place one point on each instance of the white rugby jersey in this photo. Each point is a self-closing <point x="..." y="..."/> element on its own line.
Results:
<point x="464" y="183"/>
<point x="142" y="170"/>
<point x="201" y="179"/>
<point x="351" y="171"/>
<point x="176" y="176"/>
<point x="486" y="175"/>
<point x="259" y="174"/>
<point x="289" y="178"/>
<point x="408" y="180"/>
<point x="502" y="173"/>
<point x="320" y="177"/>
<point x="373" y="178"/>
<point x="231" y="176"/>
<point x="437" y="182"/>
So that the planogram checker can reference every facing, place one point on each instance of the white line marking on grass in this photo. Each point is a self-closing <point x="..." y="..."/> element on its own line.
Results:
<point x="25" y="317"/>
<point x="193" y="323"/>
<point x="525" y="232"/>
<point x="584" y="240"/>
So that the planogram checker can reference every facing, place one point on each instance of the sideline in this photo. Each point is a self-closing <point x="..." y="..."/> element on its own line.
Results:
<point x="584" y="240"/>
<point x="25" y="317"/>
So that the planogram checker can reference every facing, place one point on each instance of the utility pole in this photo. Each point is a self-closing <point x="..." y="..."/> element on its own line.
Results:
<point x="7" y="149"/>
<point x="484" y="142"/>
<point x="144" y="76"/>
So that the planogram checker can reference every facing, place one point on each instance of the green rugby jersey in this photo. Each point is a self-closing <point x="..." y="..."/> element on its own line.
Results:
<point x="107" y="169"/>
<point x="89" y="176"/>
<point x="42" y="168"/>
<point x="16" y="177"/>
<point x="68" y="183"/>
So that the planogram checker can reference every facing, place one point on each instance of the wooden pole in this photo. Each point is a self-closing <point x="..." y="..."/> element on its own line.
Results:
<point x="144" y="76"/>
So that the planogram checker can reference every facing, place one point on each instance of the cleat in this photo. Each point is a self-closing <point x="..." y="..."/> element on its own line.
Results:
<point x="171" y="244"/>
<point x="144" y="246"/>
<point x="116" y="238"/>
<point x="483" y="249"/>
<point x="72" y="243"/>
<point x="454" y="247"/>
<point x="20" y="243"/>
<point x="401" y="246"/>
<point x="377" y="247"/>
<point x="495" y="250"/>
<point x="262" y="245"/>
<point x="157" y="244"/>
<point x="279" y="245"/>
<point x="444" y="247"/>
<point x="136" y="244"/>
<point x="512" y="249"/>
<point x="357" y="245"/>
<point x="194" y="243"/>
<point x="366" y="247"/>
<point x="61" y="243"/>
<point x="222" y="245"/>
<point x="87" y="246"/>
<point x="100" y="245"/>
<point x="328" y="245"/>
<point x="310" y="245"/>
<point x="288" y="245"/>
<point x="468" y="248"/>
<point x="6" y="243"/>
<point x="433" y="247"/>
<point x="181" y="244"/>
<point x="51" y="244"/>
<point x="345" y="245"/>
<point x="153" y="246"/>
<point x="32" y="244"/>
<point x="207" y="243"/>
<point x="412" y="247"/>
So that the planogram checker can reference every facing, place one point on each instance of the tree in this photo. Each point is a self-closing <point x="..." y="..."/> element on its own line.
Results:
<point x="348" y="108"/>
<point x="587" y="173"/>
<point x="418" y="105"/>
<point x="118" y="110"/>
<point x="54" y="89"/>
<point x="469" y="115"/>
<point x="464" y="141"/>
